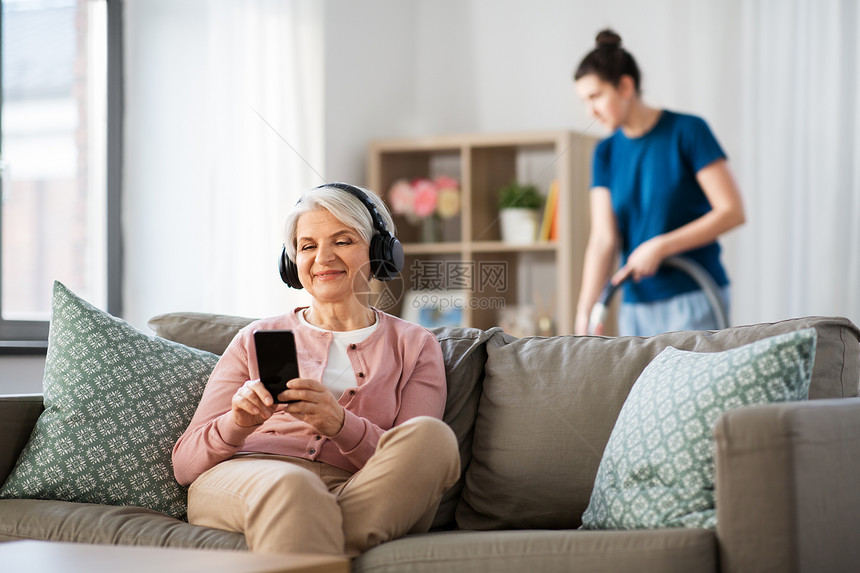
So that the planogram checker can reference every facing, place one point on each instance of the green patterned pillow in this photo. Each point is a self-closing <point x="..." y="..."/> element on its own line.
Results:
<point x="116" y="400"/>
<point x="658" y="466"/>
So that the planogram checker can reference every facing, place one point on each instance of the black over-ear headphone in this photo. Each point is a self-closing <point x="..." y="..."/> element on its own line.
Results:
<point x="386" y="252"/>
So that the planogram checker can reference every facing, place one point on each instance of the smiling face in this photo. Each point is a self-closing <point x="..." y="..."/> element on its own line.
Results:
<point x="332" y="259"/>
<point x="605" y="102"/>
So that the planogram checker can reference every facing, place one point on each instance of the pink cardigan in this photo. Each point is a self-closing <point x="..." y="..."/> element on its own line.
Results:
<point x="399" y="374"/>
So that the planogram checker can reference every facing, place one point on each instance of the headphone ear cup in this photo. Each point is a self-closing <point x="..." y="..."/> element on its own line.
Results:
<point x="395" y="255"/>
<point x="386" y="256"/>
<point x="377" y="269"/>
<point x="288" y="270"/>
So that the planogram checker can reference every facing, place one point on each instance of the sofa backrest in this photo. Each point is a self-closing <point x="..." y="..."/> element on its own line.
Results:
<point x="18" y="415"/>
<point x="209" y="332"/>
<point x="548" y="406"/>
<point x="465" y="353"/>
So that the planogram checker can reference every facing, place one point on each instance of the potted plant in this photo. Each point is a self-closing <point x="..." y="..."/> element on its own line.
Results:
<point x="519" y="212"/>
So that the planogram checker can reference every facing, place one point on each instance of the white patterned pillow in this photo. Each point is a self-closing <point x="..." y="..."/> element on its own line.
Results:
<point x="116" y="400"/>
<point x="658" y="466"/>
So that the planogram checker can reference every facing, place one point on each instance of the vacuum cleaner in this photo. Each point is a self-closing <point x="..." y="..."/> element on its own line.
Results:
<point x="600" y="310"/>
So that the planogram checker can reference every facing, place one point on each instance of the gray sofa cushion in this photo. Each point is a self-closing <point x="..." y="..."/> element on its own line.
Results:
<point x="210" y="332"/>
<point x="464" y="352"/>
<point x="549" y="405"/>
<point x="106" y="524"/>
<point x="664" y="551"/>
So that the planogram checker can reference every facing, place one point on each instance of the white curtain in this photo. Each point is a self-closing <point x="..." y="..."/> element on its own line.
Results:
<point x="223" y="131"/>
<point x="800" y="250"/>
<point x="265" y="108"/>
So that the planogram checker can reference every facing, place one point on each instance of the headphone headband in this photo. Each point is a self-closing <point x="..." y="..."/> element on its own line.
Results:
<point x="378" y="222"/>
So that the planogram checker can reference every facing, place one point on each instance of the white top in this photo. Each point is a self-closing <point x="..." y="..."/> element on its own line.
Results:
<point x="338" y="374"/>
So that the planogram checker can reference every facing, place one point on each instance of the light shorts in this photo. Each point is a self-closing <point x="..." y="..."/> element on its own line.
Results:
<point x="688" y="311"/>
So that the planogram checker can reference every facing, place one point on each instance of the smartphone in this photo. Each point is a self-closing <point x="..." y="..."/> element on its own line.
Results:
<point x="276" y="360"/>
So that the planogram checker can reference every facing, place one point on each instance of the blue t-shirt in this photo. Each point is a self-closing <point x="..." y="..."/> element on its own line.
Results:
<point x="652" y="183"/>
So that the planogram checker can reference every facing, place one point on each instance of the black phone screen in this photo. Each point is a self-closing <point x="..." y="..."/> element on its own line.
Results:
<point x="276" y="359"/>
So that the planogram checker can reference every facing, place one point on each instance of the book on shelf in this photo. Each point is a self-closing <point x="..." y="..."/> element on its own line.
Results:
<point x="549" y="220"/>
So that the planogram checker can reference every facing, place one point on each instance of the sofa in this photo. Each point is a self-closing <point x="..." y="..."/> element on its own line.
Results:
<point x="532" y="417"/>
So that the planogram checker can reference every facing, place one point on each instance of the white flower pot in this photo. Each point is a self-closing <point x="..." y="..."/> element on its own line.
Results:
<point x="519" y="226"/>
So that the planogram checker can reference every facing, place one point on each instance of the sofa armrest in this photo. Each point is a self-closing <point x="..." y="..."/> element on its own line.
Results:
<point x="786" y="487"/>
<point x="18" y="415"/>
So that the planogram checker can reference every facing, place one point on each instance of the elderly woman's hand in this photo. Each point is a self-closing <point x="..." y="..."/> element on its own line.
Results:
<point x="316" y="405"/>
<point x="252" y="404"/>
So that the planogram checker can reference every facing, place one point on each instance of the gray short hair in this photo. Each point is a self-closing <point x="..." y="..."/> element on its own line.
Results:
<point x="345" y="207"/>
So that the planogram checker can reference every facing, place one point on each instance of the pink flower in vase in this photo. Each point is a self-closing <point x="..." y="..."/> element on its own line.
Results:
<point x="426" y="197"/>
<point x="401" y="197"/>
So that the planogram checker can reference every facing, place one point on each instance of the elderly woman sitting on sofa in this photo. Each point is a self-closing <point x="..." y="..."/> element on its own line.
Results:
<point x="359" y="455"/>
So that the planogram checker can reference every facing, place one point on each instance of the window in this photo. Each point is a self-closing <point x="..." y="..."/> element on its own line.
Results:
<point x="59" y="159"/>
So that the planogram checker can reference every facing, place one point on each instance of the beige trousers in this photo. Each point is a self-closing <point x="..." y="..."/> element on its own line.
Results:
<point x="291" y="505"/>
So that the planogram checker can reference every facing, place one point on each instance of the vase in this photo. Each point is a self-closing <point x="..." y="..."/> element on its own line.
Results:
<point x="519" y="226"/>
<point x="430" y="230"/>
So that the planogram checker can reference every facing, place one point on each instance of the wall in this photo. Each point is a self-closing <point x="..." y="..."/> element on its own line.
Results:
<point x="506" y="65"/>
<point x="369" y="79"/>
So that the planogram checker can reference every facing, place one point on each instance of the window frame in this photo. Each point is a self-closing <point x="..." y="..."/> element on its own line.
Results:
<point x="31" y="337"/>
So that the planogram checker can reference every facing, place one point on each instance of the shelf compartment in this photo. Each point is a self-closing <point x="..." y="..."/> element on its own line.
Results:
<point x="483" y="163"/>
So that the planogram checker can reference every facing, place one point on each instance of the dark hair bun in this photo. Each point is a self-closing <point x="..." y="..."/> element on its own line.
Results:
<point x="609" y="61"/>
<point x="608" y="39"/>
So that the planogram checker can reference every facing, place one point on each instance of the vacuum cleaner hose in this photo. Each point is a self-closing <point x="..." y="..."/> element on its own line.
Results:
<point x="600" y="310"/>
